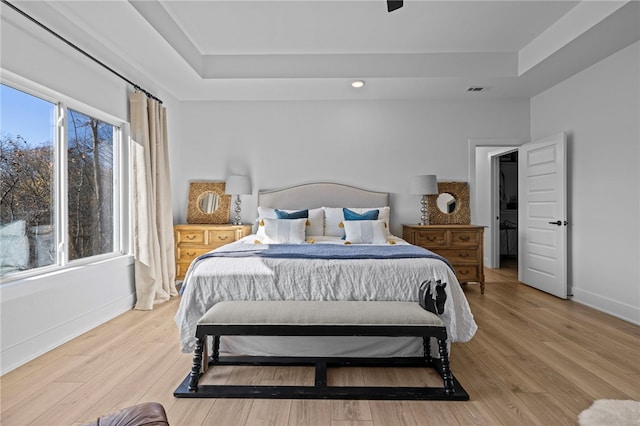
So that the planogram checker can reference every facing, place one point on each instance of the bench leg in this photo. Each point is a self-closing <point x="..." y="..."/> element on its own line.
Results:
<point x="216" y="348"/>
<point x="204" y="366"/>
<point x="446" y="369"/>
<point x="426" y="344"/>
<point x="194" y="376"/>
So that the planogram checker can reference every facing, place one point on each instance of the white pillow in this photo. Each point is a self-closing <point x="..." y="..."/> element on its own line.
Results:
<point x="315" y="227"/>
<point x="365" y="232"/>
<point x="383" y="214"/>
<point x="315" y="224"/>
<point x="333" y="218"/>
<point x="289" y="231"/>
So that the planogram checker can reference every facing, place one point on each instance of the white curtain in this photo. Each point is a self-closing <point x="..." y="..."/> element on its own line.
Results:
<point x="151" y="198"/>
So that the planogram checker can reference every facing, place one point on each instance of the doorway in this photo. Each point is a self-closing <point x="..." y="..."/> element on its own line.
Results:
<point x="506" y="207"/>
<point x="542" y="205"/>
<point x="484" y="182"/>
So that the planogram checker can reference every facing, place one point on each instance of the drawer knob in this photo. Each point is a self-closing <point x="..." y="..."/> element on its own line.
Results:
<point x="465" y="237"/>
<point x="191" y="253"/>
<point x="222" y="237"/>
<point x="190" y="237"/>
<point x="463" y="255"/>
<point x="431" y="238"/>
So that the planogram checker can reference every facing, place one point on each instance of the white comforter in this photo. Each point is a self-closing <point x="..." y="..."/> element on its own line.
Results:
<point x="256" y="278"/>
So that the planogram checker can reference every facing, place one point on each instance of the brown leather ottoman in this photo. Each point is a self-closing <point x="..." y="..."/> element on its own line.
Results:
<point x="146" y="414"/>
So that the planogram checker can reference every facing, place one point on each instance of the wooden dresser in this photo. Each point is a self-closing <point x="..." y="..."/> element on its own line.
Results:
<point x="462" y="245"/>
<point x="193" y="240"/>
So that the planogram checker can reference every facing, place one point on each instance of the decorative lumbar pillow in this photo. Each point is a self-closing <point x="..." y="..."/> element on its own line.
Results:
<point x="368" y="215"/>
<point x="383" y="214"/>
<point x="351" y="215"/>
<point x="281" y="231"/>
<point x="365" y="232"/>
<point x="314" y="224"/>
<point x="334" y="216"/>
<point x="284" y="214"/>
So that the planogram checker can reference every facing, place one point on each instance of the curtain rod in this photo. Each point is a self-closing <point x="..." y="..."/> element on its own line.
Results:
<point x="49" y="30"/>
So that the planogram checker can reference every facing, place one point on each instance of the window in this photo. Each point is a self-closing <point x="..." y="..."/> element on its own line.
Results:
<point x="90" y="185"/>
<point x="59" y="191"/>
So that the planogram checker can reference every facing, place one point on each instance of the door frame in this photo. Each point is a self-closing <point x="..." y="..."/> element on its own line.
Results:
<point x="482" y="165"/>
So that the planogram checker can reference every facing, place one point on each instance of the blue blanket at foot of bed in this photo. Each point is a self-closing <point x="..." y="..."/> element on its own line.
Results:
<point x="327" y="251"/>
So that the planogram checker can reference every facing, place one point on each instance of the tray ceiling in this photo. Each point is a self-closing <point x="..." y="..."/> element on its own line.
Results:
<point x="292" y="50"/>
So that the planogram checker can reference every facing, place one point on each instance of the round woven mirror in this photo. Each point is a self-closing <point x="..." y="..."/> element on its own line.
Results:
<point x="451" y="205"/>
<point x="208" y="203"/>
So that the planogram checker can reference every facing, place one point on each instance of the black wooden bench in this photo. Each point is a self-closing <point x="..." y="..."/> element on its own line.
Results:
<point x="320" y="318"/>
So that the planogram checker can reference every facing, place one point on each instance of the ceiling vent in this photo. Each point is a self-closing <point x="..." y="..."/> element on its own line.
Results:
<point x="476" y="89"/>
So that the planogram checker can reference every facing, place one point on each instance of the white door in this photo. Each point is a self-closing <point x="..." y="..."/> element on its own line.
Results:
<point x="542" y="217"/>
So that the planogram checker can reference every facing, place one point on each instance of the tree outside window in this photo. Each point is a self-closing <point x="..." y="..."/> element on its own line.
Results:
<point x="90" y="186"/>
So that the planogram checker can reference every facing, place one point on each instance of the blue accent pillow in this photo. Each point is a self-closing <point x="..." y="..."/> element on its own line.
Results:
<point x="368" y="215"/>
<point x="301" y="214"/>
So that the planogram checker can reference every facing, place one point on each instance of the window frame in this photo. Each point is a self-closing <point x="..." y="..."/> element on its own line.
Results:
<point x="121" y="209"/>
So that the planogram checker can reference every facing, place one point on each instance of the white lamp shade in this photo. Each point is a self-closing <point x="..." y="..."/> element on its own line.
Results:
<point x="424" y="185"/>
<point x="237" y="185"/>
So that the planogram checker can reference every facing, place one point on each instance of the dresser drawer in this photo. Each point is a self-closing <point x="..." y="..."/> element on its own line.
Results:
<point x="187" y="253"/>
<point x="190" y="236"/>
<point x="458" y="255"/>
<point x="221" y="237"/>
<point x="181" y="269"/>
<point x="430" y="238"/>
<point x="465" y="238"/>
<point x="469" y="273"/>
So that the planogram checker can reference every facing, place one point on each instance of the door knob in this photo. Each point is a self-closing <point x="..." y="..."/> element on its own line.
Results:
<point x="557" y="222"/>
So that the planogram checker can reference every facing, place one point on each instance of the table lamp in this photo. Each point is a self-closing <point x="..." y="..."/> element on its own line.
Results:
<point x="424" y="185"/>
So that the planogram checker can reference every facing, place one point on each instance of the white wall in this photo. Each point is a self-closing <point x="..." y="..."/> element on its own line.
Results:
<point x="377" y="145"/>
<point x="599" y="108"/>
<point x="42" y="312"/>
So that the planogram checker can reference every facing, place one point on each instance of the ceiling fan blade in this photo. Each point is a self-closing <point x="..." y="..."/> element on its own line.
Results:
<point x="393" y="5"/>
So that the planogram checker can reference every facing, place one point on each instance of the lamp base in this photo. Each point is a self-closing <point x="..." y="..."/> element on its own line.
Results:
<point x="424" y="219"/>
<point x="237" y="220"/>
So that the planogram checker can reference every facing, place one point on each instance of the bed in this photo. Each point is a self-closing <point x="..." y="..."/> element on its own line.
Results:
<point x="277" y="263"/>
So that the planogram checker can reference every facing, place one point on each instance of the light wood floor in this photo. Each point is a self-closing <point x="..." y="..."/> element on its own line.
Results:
<point x="536" y="360"/>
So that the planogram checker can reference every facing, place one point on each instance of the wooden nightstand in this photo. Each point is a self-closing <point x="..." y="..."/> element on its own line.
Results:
<point x="462" y="245"/>
<point x="193" y="240"/>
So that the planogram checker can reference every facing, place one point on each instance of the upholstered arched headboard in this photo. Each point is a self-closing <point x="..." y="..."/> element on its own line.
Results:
<point x="323" y="194"/>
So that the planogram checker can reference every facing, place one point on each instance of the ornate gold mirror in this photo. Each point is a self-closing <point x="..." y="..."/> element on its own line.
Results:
<point x="208" y="203"/>
<point x="451" y="205"/>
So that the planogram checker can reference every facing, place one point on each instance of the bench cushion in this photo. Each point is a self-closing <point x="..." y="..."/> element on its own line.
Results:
<point x="319" y="313"/>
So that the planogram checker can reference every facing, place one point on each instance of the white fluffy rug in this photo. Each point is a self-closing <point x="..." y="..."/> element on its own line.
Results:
<point x="611" y="412"/>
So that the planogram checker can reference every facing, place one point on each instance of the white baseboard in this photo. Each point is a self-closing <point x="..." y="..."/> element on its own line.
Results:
<point x="35" y="346"/>
<point x="609" y="306"/>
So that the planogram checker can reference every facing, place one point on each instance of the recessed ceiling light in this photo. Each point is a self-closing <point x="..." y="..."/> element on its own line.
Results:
<point x="357" y="84"/>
